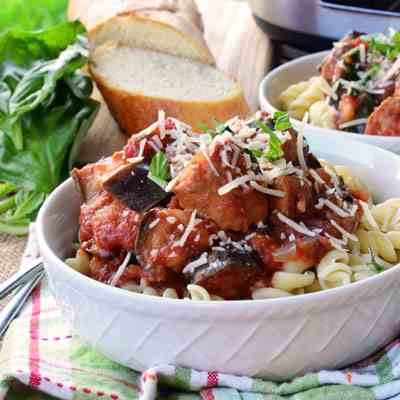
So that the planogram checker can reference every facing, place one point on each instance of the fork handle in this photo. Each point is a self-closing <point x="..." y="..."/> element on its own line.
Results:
<point x="21" y="277"/>
<point x="12" y="309"/>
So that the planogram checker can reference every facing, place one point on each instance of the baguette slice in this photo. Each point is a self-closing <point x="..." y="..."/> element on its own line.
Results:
<point x="160" y="30"/>
<point x="137" y="83"/>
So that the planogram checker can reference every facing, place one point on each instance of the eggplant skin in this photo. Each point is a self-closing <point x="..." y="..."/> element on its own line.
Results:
<point x="229" y="273"/>
<point x="131" y="185"/>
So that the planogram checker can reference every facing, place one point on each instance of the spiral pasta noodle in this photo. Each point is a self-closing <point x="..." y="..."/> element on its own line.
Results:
<point x="269" y="293"/>
<point x="289" y="281"/>
<point x="322" y="114"/>
<point x="333" y="270"/>
<point x="80" y="262"/>
<point x="298" y="98"/>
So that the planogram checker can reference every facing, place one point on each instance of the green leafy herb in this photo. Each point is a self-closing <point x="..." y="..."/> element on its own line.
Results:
<point x="45" y="111"/>
<point x="378" y="268"/>
<point x="219" y="128"/>
<point x="282" y="122"/>
<point x="387" y="45"/>
<point x="32" y="14"/>
<point x="159" y="170"/>
<point x="275" y="151"/>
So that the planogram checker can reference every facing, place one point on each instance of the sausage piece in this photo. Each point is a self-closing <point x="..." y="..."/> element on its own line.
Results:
<point x="385" y="120"/>
<point x="197" y="188"/>
<point x="298" y="199"/>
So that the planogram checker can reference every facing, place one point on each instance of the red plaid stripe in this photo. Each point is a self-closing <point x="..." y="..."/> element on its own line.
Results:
<point x="212" y="379"/>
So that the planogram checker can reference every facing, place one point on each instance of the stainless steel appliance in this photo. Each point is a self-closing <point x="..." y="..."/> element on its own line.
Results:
<point x="299" y="27"/>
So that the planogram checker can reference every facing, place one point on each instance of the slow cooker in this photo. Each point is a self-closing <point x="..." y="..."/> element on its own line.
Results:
<point x="300" y="27"/>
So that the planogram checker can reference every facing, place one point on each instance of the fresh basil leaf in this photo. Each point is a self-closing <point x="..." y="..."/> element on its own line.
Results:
<point x="21" y="228"/>
<point x="39" y="82"/>
<point x="159" y="170"/>
<point x="219" y="128"/>
<point x="45" y="111"/>
<point x="32" y="14"/>
<point x="49" y="137"/>
<point x="275" y="151"/>
<point x="27" y="205"/>
<point x="21" y="49"/>
<point x="7" y="204"/>
<point x="282" y="122"/>
<point x="6" y="188"/>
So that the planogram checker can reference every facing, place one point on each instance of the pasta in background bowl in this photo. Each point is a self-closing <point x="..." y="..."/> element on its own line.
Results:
<point x="273" y="338"/>
<point x="301" y="76"/>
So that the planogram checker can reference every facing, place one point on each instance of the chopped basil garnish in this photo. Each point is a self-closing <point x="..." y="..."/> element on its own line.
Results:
<point x="389" y="46"/>
<point x="282" y="122"/>
<point x="275" y="151"/>
<point x="378" y="268"/>
<point x="219" y="128"/>
<point x="159" y="170"/>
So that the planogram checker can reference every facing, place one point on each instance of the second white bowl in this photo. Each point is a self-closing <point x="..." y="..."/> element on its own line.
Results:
<point x="302" y="69"/>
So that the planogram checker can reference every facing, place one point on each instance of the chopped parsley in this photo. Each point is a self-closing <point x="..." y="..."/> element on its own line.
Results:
<point x="275" y="151"/>
<point x="159" y="170"/>
<point x="282" y="122"/>
<point x="387" y="45"/>
<point x="219" y="128"/>
<point x="378" y="267"/>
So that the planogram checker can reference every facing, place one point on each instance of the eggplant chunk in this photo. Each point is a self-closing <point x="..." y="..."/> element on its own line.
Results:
<point x="131" y="184"/>
<point x="229" y="273"/>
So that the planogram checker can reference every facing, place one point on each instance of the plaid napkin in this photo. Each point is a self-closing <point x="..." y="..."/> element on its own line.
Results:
<point x="40" y="350"/>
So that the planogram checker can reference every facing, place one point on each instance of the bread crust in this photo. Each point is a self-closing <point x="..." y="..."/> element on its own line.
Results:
<point x="192" y="36"/>
<point x="135" y="112"/>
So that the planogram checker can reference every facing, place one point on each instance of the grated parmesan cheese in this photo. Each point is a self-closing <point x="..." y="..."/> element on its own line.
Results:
<point x="354" y="122"/>
<point x="345" y="234"/>
<point x="190" y="226"/>
<point x="339" y="211"/>
<point x="171" y="219"/>
<point x="262" y="189"/>
<point x="213" y="169"/>
<point x="161" y="123"/>
<point x="141" y="147"/>
<point x="300" y="143"/>
<point x="316" y="177"/>
<point x="294" y="225"/>
<point x="154" y="223"/>
<point x="192" y="266"/>
<point x="120" y="269"/>
<point x="233" y="184"/>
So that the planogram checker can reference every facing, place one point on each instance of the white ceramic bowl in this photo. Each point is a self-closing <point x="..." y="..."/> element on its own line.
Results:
<point x="302" y="69"/>
<point x="275" y="339"/>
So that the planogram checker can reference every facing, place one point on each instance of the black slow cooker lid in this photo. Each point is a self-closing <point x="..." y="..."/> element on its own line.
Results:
<point x="312" y="25"/>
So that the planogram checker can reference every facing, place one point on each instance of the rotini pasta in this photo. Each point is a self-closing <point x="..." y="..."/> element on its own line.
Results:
<point x="322" y="114"/>
<point x="289" y="281"/>
<point x="80" y="262"/>
<point x="333" y="270"/>
<point x="298" y="98"/>
<point x="269" y="293"/>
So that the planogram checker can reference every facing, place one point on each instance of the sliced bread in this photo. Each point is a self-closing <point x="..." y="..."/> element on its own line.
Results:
<point x="136" y="83"/>
<point x="157" y="30"/>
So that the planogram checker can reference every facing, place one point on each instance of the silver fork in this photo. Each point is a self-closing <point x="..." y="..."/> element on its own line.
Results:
<point x="24" y="281"/>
